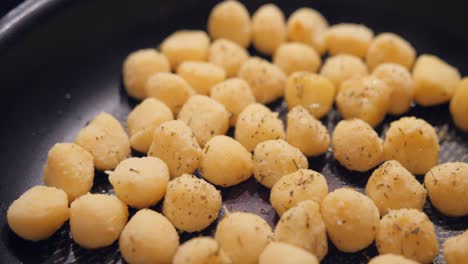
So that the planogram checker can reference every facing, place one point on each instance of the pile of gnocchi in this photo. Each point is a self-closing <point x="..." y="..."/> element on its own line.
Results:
<point x="195" y="86"/>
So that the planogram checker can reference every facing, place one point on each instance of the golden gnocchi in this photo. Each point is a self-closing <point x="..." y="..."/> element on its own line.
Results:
<point x="268" y="28"/>
<point x="306" y="25"/>
<point x="106" y="140"/>
<point x="140" y="182"/>
<point x="186" y="45"/>
<point x="302" y="226"/>
<point x="282" y="253"/>
<point x="274" y="159"/>
<point x="341" y="67"/>
<point x="348" y="38"/>
<point x="143" y="120"/>
<point x="38" y="213"/>
<point x="455" y="249"/>
<point x="227" y="55"/>
<point x="294" y="56"/>
<point x="191" y="204"/>
<point x="458" y="105"/>
<point x="69" y="167"/>
<point x="201" y="75"/>
<point x="351" y="219"/>
<point x="390" y="48"/>
<point x="306" y="133"/>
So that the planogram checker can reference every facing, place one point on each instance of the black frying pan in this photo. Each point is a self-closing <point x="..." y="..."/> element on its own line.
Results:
<point x="60" y="65"/>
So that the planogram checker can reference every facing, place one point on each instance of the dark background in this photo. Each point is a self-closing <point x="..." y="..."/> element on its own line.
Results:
<point x="7" y="5"/>
<point x="61" y="66"/>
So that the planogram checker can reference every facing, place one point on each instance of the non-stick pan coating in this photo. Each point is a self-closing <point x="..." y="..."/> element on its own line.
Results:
<point x="60" y="65"/>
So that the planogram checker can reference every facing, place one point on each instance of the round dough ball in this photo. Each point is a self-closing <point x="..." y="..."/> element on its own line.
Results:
<point x="391" y="259"/>
<point x="169" y="88"/>
<point x="227" y="55"/>
<point x="276" y="158"/>
<point x="366" y="98"/>
<point x="455" y="249"/>
<point x="447" y="186"/>
<point x="401" y="84"/>
<point x="255" y="124"/>
<point x="140" y="182"/>
<point x="206" y="117"/>
<point x="226" y="162"/>
<point x="391" y="186"/>
<point x="294" y="56"/>
<point x="458" y="105"/>
<point x="243" y="236"/>
<point x="96" y="220"/>
<point x="186" y="45"/>
<point x="302" y="185"/>
<point x="105" y="139"/>
<point x="230" y="20"/>
<point x="144" y="119"/>
<point x="435" y="80"/>
<point x="351" y="219"/>
<point x="306" y="25"/>
<point x="412" y="142"/>
<point x="407" y="232"/>
<point x="201" y="75"/>
<point x="200" y="250"/>
<point x="175" y="137"/>
<point x="268" y="28"/>
<point x="235" y="94"/>
<point x="266" y="80"/>
<point x="314" y="92"/>
<point x="390" y="48"/>
<point x="348" y="38"/>
<point x="356" y="145"/>
<point x="191" y="204"/>
<point x="282" y="253"/>
<point x="148" y="238"/>
<point x="138" y="67"/>
<point x="302" y="226"/>
<point x="306" y="133"/>
<point x="69" y="167"/>
<point x="38" y="213"/>
<point x="342" y="67"/>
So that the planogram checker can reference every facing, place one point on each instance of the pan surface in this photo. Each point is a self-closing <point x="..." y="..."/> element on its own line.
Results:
<point x="60" y="65"/>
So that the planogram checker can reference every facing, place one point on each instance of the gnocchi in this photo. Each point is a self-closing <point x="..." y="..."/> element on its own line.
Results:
<point x="390" y="48"/>
<point x="293" y="188"/>
<point x="391" y="186"/>
<point x="234" y="166"/>
<point x="412" y="142"/>
<point x="138" y="67"/>
<point x="268" y="28"/>
<point x="148" y="238"/>
<point x="266" y="80"/>
<point x="302" y="226"/>
<point x="306" y="133"/>
<point x="348" y="38"/>
<point x="243" y="237"/>
<point x="185" y="45"/>
<point x="175" y="137"/>
<point x="454" y="249"/>
<point x="407" y="232"/>
<point x="106" y="140"/>
<point x="342" y="67"/>
<point x="169" y="88"/>
<point x="282" y="253"/>
<point x="140" y="182"/>
<point x="351" y="219"/>
<point x="391" y="259"/>
<point x="200" y="250"/>
<point x="235" y="94"/>
<point x="365" y="98"/>
<point x="356" y="145"/>
<point x="230" y="20"/>
<point x="458" y="105"/>
<point x="38" y="213"/>
<point x="274" y="159"/>
<point x="227" y="55"/>
<point x="435" y="80"/>
<point x="306" y="25"/>
<point x="96" y="220"/>
<point x="294" y="56"/>
<point x="143" y="120"/>
<point x="69" y="167"/>
<point x="314" y="92"/>
<point x="206" y="117"/>
<point x="201" y="75"/>
<point x="447" y="186"/>
<point x="255" y="124"/>
<point x="191" y="204"/>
